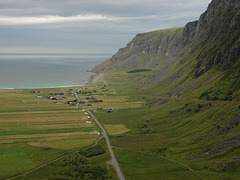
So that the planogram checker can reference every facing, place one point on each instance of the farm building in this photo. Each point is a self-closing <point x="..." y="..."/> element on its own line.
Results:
<point x="109" y="110"/>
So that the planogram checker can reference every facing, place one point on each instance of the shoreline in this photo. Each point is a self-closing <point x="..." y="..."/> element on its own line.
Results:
<point x="92" y="79"/>
<point x="43" y="87"/>
<point x="95" y="78"/>
<point x="82" y="76"/>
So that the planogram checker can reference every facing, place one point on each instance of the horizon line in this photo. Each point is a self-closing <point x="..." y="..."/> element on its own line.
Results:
<point x="55" y="53"/>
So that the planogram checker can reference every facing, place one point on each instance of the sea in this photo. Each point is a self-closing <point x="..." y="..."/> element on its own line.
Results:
<point x="28" y="71"/>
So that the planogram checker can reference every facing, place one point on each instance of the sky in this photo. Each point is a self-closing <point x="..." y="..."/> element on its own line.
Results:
<point x="87" y="26"/>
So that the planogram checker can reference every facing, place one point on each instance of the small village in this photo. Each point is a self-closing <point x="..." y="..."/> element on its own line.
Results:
<point x="68" y="97"/>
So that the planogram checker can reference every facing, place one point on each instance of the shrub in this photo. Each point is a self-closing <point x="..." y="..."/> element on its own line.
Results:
<point x="93" y="151"/>
<point x="139" y="70"/>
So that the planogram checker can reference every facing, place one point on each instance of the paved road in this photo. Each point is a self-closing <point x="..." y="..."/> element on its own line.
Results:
<point x="104" y="133"/>
<point x="113" y="161"/>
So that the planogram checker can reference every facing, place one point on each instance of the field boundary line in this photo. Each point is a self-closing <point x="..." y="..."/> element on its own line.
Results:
<point x="36" y="168"/>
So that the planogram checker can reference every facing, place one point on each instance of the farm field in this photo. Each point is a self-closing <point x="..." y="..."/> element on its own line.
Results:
<point x="34" y="130"/>
<point x="150" y="140"/>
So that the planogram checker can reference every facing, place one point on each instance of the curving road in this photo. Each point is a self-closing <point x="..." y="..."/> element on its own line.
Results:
<point x="104" y="133"/>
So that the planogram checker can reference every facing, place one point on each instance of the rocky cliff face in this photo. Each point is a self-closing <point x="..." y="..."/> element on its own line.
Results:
<point x="145" y="50"/>
<point x="215" y="36"/>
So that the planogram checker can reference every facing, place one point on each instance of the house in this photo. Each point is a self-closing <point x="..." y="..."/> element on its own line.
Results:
<point x="59" y="96"/>
<point x="59" y="93"/>
<point x="72" y="104"/>
<point x="109" y="110"/>
<point x="52" y="98"/>
<point x="79" y="91"/>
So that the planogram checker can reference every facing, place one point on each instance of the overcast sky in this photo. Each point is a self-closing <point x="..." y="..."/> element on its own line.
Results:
<point x="87" y="26"/>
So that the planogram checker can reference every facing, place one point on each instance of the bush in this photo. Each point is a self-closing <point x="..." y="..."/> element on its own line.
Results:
<point x="93" y="151"/>
<point x="139" y="70"/>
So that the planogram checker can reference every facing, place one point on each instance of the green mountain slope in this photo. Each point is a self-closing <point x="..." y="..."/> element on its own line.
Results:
<point x="182" y="56"/>
<point x="190" y="80"/>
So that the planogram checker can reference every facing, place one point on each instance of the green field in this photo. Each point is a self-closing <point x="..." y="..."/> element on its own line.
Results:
<point x="172" y="138"/>
<point x="154" y="137"/>
<point x="34" y="131"/>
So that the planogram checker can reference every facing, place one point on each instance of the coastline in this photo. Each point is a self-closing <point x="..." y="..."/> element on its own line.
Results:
<point x="95" y="78"/>
<point x="43" y="87"/>
<point x="55" y="71"/>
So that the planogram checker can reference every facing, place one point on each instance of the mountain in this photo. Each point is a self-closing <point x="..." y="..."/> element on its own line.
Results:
<point x="189" y="78"/>
<point x="183" y="55"/>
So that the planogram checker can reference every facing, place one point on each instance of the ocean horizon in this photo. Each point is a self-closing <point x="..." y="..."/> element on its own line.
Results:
<point x="29" y="70"/>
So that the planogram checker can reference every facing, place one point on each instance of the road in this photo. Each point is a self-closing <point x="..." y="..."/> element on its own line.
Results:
<point x="104" y="133"/>
<point x="113" y="161"/>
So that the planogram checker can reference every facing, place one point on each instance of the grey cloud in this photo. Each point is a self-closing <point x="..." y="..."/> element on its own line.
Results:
<point x="115" y="24"/>
<point x="108" y="7"/>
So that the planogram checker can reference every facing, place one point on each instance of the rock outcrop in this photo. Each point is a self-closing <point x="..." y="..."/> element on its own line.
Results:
<point x="215" y="37"/>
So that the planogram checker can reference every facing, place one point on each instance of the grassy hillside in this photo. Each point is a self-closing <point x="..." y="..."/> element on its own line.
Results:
<point x="175" y="112"/>
<point x="173" y="137"/>
<point x="188" y="127"/>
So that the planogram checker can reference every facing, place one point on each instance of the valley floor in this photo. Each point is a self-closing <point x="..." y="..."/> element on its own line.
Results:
<point x="152" y="137"/>
<point x="171" y="137"/>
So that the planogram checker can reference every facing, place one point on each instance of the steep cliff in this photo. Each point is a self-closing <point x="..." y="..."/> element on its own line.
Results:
<point x="218" y="32"/>
<point x="180" y="56"/>
<point x="189" y="79"/>
<point x="146" y="50"/>
<point x="215" y="35"/>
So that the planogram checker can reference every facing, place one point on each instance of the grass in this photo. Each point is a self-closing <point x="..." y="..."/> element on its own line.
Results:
<point x="140" y="166"/>
<point x="48" y="131"/>
<point x="14" y="160"/>
<point x="139" y="70"/>
<point x="67" y="144"/>
<point x="116" y="129"/>
<point x="27" y="124"/>
<point x="77" y="166"/>
<point x="154" y="133"/>
<point x="189" y="132"/>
